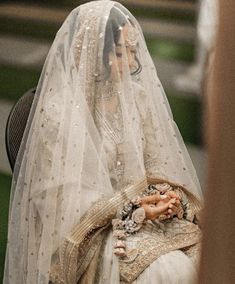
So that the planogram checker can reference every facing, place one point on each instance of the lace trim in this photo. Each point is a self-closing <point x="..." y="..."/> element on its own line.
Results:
<point x="149" y="249"/>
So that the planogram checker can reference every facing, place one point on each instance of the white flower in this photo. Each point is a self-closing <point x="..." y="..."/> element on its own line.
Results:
<point x="136" y="200"/>
<point x="189" y="212"/>
<point x="120" y="234"/>
<point x="180" y="213"/>
<point x="127" y="208"/>
<point x="117" y="223"/>
<point x="120" y="252"/>
<point x="138" y="215"/>
<point x="163" y="187"/>
<point x="120" y="244"/>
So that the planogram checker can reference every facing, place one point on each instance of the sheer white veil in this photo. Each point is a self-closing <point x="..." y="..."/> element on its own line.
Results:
<point x="86" y="135"/>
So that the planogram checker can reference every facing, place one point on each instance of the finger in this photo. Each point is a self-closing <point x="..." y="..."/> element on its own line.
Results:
<point x="172" y="194"/>
<point x="165" y="213"/>
<point x="180" y="214"/>
<point x="165" y="199"/>
<point x="149" y="212"/>
<point x="177" y="202"/>
<point x="151" y="199"/>
<point x="174" y="208"/>
<point x="171" y="201"/>
<point x="163" y="196"/>
<point x="152" y="213"/>
<point x="161" y="208"/>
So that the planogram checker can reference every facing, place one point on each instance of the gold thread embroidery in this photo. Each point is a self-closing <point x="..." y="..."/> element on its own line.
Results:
<point x="150" y="248"/>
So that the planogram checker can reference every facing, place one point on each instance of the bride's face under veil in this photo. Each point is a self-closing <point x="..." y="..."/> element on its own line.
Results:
<point x="130" y="49"/>
<point x="100" y="121"/>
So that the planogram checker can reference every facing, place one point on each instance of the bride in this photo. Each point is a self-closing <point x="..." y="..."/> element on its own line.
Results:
<point x="103" y="190"/>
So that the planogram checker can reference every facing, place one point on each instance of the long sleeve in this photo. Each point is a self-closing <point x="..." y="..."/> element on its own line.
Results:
<point x="150" y="153"/>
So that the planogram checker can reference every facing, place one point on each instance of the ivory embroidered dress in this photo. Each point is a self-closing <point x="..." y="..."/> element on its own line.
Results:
<point x="100" y="130"/>
<point x="173" y="267"/>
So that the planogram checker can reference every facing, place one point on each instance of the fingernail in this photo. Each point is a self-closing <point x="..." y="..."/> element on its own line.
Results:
<point x="163" y="196"/>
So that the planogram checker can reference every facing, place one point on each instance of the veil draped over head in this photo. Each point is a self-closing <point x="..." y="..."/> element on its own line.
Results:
<point x="86" y="136"/>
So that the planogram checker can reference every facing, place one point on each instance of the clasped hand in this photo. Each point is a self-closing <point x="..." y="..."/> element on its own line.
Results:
<point x="157" y="204"/>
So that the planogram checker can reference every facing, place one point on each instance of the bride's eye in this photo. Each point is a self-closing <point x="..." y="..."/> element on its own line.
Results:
<point x="118" y="54"/>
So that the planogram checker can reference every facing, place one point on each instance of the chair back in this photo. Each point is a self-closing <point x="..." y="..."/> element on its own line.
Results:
<point x="16" y="124"/>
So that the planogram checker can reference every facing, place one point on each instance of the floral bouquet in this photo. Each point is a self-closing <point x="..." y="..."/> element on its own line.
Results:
<point x="134" y="214"/>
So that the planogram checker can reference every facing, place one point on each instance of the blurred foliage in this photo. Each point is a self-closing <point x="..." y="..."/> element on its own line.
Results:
<point x="138" y="10"/>
<point x="188" y="116"/>
<point x="5" y="185"/>
<point x="16" y="81"/>
<point x="170" y="49"/>
<point x="28" y="28"/>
